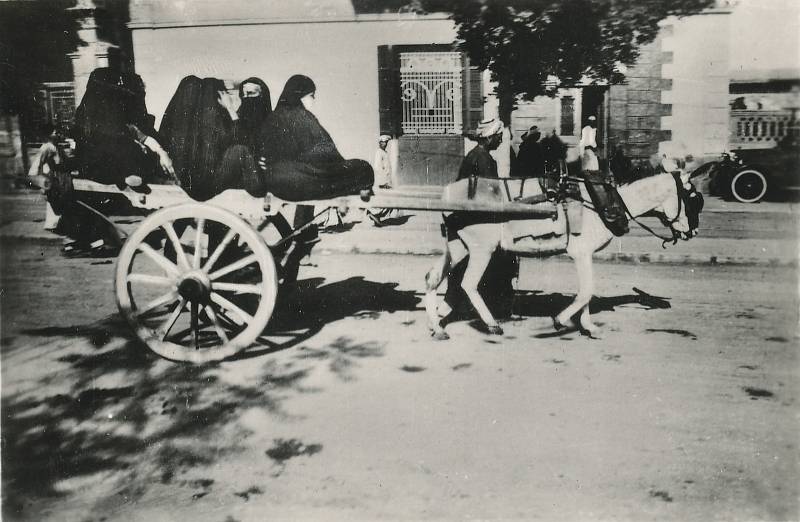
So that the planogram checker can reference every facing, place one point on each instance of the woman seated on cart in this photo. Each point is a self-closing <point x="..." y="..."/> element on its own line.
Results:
<point x="211" y="138"/>
<point x="298" y="158"/>
<point x="114" y="133"/>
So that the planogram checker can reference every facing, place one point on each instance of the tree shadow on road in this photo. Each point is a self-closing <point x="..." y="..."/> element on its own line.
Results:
<point x="96" y="407"/>
<point x="303" y="309"/>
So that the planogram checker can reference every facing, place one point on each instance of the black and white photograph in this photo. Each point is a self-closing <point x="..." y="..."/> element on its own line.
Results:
<point x="399" y="260"/>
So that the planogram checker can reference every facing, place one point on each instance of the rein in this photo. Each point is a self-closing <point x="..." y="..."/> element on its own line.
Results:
<point x="664" y="240"/>
<point x="675" y="234"/>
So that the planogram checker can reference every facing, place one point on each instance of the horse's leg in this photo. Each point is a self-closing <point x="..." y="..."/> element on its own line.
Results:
<point x="479" y="257"/>
<point x="583" y="264"/>
<point x="587" y="324"/>
<point x="433" y="279"/>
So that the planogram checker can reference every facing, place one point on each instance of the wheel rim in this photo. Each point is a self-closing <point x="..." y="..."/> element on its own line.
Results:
<point x="748" y="186"/>
<point x="196" y="283"/>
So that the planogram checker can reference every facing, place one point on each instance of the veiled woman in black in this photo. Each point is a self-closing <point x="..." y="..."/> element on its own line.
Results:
<point x="114" y="133"/>
<point x="212" y="144"/>
<point x="300" y="159"/>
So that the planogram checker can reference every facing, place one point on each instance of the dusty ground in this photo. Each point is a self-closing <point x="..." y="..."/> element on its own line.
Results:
<point x="685" y="410"/>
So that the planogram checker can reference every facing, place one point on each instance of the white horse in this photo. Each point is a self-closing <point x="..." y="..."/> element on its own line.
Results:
<point x="658" y="193"/>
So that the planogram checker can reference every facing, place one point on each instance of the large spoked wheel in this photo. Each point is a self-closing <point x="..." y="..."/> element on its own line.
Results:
<point x="196" y="283"/>
<point x="748" y="185"/>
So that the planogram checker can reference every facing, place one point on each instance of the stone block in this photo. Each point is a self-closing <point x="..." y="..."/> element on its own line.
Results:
<point x="644" y="122"/>
<point x="644" y="109"/>
<point x="644" y="96"/>
<point x="649" y="69"/>
<point x="638" y="82"/>
<point x="643" y="136"/>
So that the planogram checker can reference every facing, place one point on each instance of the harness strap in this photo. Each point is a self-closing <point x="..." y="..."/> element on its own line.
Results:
<point x="664" y="240"/>
<point x="675" y="234"/>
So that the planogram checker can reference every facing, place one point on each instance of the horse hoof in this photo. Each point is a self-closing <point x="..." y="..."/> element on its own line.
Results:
<point x="440" y="335"/>
<point x="495" y="330"/>
<point x="594" y="333"/>
<point x="558" y="325"/>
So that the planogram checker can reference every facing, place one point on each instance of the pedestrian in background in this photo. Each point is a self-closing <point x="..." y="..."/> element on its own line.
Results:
<point x="588" y="145"/>
<point x="382" y="166"/>
<point x="48" y="158"/>
<point x="530" y="160"/>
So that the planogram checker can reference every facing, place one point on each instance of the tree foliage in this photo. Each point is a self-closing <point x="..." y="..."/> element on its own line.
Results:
<point x="532" y="46"/>
<point x="35" y="37"/>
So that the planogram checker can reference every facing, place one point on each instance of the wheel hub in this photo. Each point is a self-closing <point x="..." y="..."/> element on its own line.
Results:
<point x="195" y="287"/>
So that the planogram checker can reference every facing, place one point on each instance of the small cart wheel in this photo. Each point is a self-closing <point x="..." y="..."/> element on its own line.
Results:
<point x="196" y="283"/>
<point x="748" y="185"/>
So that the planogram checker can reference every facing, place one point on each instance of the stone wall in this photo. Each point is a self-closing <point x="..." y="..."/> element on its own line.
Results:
<point x="636" y="106"/>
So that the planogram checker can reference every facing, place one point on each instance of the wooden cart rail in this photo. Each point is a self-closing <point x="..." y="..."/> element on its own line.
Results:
<point x="247" y="206"/>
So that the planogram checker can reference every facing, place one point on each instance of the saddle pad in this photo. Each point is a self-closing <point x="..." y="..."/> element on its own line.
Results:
<point x="517" y="230"/>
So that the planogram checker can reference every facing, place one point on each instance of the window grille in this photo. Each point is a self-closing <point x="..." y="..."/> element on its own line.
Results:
<point x="58" y="101"/>
<point x="431" y="92"/>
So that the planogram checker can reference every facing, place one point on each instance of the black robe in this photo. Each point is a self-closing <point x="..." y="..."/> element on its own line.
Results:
<point x="210" y="152"/>
<point x="107" y="149"/>
<point x="531" y="159"/>
<point x="197" y="131"/>
<point x="302" y="160"/>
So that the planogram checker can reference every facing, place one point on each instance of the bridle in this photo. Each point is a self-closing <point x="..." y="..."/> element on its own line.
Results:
<point x="690" y="201"/>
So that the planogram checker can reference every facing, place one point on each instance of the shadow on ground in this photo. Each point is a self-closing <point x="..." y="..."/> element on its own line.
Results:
<point x="100" y="409"/>
<point x="538" y="304"/>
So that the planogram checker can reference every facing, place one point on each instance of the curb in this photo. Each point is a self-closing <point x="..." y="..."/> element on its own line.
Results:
<point x="606" y="257"/>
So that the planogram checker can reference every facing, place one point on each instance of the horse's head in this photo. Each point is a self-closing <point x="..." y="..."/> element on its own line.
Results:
<point x="680" y="211"/>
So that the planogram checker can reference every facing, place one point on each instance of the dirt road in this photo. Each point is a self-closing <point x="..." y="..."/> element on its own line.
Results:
<point x="686" y="409"/>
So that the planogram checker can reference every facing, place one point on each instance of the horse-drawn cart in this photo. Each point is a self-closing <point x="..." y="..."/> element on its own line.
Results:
<point x="198" y="282"/>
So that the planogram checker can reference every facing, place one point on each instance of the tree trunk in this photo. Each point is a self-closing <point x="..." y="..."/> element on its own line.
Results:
<point x="506" y="105"/>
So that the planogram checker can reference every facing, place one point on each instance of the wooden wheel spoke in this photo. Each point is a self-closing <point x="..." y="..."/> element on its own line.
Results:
<point x="161" y="300"/>
<point x="168" y="266"/>
<point x="220" y="248"/>
<point x="198" y="243"/>
<point x="183" y="262"/>
<point x="195" y="326"/>
<point x="237" y="288"/>
<point x="167" y="325"/>
<point x="149" y="279"/>
<point x="252" y="258"/>
<point x="217" y="325"/>
<point x="227" y="305"/>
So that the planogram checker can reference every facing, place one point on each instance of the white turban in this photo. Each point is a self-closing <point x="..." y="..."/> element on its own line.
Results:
<point x="488" y="128"/>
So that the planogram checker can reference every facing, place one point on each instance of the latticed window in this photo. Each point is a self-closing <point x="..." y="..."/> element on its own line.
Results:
<point x="57" y="101"/>
<point x="567" y="123"/>
<point x="431" y="92"/>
